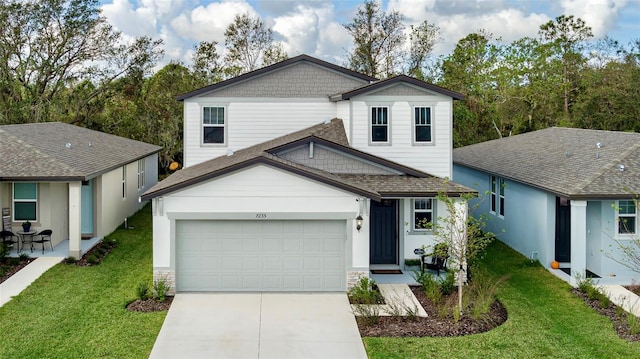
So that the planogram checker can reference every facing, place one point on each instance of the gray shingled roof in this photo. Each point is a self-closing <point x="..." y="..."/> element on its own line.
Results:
<point x="407" y="186"/>
<point x="395" y="80"/>
<point x="329" y="133"/>
<point x="39" y="152"/>
<point x="274" y="67"/>
<point x="564" y="161"/>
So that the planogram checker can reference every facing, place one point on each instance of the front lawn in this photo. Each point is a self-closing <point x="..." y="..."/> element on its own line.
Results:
<point x="545" y="321"/>
<point x="79" y="312"/>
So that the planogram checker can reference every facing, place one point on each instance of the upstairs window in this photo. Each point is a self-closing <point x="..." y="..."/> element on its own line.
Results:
<point x="213" y="125"/>
<point x="423" y="214"/>
<point x="422" y="121"/>
<point x="627" y="217"/>
<point x="25" y="201"/>
<point x="379" y="124"/>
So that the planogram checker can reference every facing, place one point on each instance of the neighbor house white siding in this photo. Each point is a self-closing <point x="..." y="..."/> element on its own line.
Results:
<point x="111" y="208"/>
<point x="434" y="158"/>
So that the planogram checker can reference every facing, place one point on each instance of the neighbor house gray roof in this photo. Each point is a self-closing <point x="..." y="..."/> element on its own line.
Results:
<point x="393" y="81"/>
<point x="330" y="133"/>
<point x="55" y="151"/>
<point x="575" y="163"/>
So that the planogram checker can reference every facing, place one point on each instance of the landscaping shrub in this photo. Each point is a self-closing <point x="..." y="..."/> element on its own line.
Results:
<point x="142" y="291"/>
<point x="92" y="259"/>
<point x="365" y="292"/>
<point x="160" y="289"/>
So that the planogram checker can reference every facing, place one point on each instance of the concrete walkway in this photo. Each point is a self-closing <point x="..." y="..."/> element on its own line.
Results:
<point x="259" y="325"/>
<point x="622" y="297"/>
<point x="21" y="280"/>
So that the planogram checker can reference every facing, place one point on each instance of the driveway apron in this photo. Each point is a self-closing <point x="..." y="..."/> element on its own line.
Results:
<point x="259" y="325"/>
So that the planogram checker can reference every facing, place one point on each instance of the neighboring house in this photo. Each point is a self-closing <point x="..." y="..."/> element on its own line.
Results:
<point x="302" y="175"/>
<point x="72" y="180"/>
<point x="560" y="194"/>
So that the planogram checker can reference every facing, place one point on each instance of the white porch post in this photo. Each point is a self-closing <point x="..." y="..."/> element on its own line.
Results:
<point x="578" y="237"/>
<point x="74" y="219"/>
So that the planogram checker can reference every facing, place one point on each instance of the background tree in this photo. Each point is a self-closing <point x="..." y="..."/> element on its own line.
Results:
<point x="378" y="39"/>
<point x="422" y="39"/>
<point x="206" y="63"/>
<point x="49" y="44"/>
<point x="565" y="38"/>
<point x="249" y="45"/>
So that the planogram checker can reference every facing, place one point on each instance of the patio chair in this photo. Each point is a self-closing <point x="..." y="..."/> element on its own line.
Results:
<point x="436" y="260"/>
<point x="8" y="240"/>
<point x="43" y="236"/>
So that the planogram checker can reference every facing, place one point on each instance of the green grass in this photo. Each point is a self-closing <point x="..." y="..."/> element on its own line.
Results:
<point x="79" y="312"/>
<point x="545" y="321"/>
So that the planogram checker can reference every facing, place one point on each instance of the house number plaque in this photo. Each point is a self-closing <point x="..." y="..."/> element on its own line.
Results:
<point x="261" y="215"/>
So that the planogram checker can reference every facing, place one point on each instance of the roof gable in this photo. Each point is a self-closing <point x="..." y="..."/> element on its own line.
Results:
<point x="55" y="151"/>
<point x="393" y="81"/>
<point x="300" y="76"/>
<point x="329" y="134"/>
<point x="576" y="163"/>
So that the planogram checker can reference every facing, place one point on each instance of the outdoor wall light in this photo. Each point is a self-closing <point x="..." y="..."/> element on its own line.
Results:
<point x="359" y="222"/>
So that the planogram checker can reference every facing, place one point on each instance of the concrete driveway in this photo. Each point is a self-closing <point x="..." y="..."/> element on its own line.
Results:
<point x="259" y="325"/>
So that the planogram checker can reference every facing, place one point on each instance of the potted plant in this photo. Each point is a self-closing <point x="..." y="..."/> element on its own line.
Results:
<point x="26" y="226"/>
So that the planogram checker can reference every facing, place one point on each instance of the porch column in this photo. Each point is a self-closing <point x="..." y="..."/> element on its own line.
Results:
<point x="578" y="238"/>
<point x="74" y="220"/>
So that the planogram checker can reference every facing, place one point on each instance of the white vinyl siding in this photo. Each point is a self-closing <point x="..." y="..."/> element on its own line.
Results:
<point x="252" y="123"/>
<point x="435" y="159"/>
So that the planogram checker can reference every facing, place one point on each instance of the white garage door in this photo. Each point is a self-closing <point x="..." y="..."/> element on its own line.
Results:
<point x="260" y="255"/>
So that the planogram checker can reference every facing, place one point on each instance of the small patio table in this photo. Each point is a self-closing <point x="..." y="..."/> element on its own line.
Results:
<point x="23" y="236"/>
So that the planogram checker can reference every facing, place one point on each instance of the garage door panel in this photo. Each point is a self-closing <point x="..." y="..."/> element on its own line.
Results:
<point x="260" y="255"/>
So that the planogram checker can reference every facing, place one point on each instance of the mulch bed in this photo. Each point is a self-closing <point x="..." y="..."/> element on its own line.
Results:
<point x="434" y="325"/>
<point x="13" y="269"/>
<point x="617" y="316"/>
<point x="150" y="305"/>
<point x="96" y="254"/>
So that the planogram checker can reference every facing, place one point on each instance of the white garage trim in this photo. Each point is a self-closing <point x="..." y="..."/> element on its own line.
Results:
<point x="259" y="255"/>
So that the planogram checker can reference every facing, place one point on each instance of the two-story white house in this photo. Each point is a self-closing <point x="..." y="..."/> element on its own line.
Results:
<point x="302" y="176"/>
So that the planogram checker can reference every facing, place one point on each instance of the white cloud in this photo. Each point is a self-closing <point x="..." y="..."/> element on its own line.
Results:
<point x="598" y="14"/>
<point x="315" y="27"/>
<point x="209" y="23"/>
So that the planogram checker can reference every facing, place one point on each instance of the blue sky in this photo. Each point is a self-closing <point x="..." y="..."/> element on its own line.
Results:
<point x="315" y="27"/>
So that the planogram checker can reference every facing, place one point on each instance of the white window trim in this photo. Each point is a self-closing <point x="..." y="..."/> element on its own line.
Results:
<point x="370" y="124"/>
<point x="141" y="167"/>
<point x="13" y="203"/>
<point x="618" y="216"/>
<point x="225" y="126"/>
<point x="497" y="193"/>
<point x="434" y="203"/>
<point x="413" y="126"/>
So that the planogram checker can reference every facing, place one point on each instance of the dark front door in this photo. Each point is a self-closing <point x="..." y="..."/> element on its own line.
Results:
<point x="563" y="230"/>
<point x="383" y="246"/>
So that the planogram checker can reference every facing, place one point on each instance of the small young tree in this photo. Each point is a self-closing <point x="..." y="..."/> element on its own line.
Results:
<point x="463" y="234"/>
